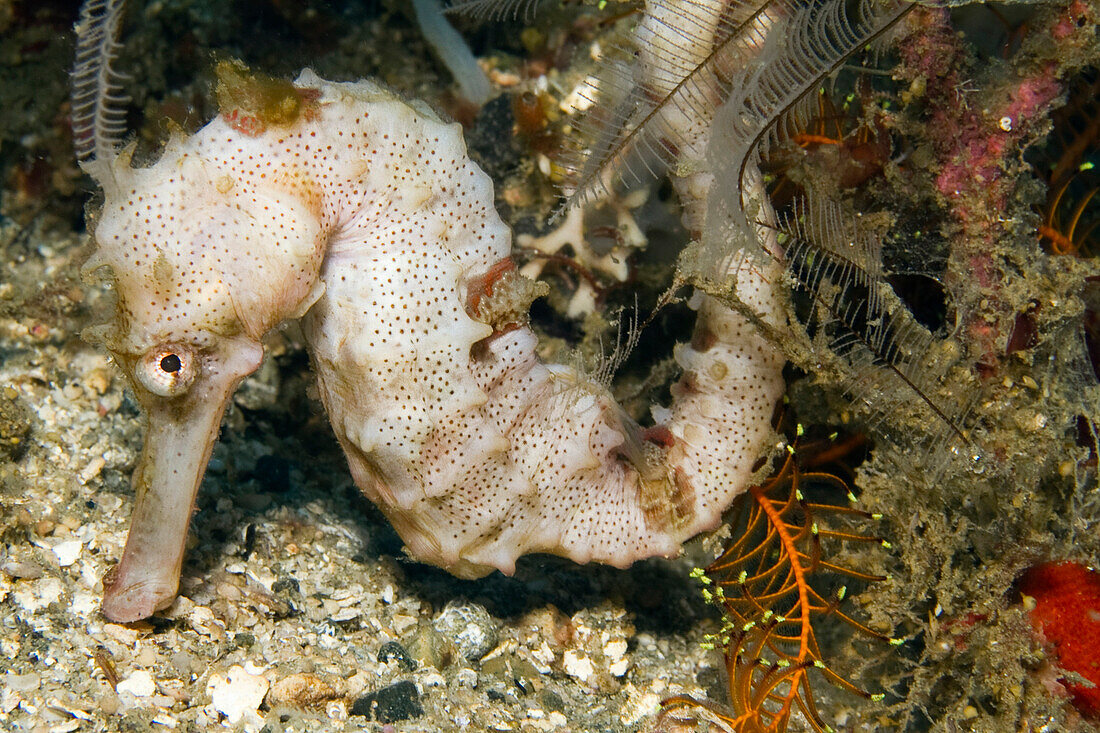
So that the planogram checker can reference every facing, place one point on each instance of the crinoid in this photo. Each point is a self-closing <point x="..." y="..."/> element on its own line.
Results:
<point x="846" y="137"/>
<point x="1068" y="165"/>
<point x="98" y="100"/>
<point x="770" y="584"/>
<point x="1070" y="235"/>
<point x="494" y="9"/>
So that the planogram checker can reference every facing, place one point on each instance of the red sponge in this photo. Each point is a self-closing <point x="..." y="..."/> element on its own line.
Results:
<point x="1067" y="616"/>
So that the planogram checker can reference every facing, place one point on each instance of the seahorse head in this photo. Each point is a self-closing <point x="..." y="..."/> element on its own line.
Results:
<point x="205" y="258"/>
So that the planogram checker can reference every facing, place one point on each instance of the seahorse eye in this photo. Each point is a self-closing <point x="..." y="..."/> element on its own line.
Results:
<point x="171" y="363"/>
<point x="167" y="370"/>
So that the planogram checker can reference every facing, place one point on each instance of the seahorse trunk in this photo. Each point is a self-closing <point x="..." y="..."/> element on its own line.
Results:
<point x="475" y="450"/>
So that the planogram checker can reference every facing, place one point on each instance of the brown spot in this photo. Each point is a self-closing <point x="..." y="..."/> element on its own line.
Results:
<point x="659" y="435"/>
<point x="703" y="340"/>
<point x="688" y="383"/>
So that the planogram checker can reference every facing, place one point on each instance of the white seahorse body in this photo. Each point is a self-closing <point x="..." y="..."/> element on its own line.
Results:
<point x="367" y="213"/>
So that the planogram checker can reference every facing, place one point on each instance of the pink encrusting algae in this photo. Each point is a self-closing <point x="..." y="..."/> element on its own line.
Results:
<point x="974" y="149"/>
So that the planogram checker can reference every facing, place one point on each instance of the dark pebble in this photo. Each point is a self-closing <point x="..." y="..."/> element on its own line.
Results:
<point x="393" y="650"/>
<point x="273" y="474"/>
<point x="490" y="141"/>
<point x="399" y="701"/>
<point x="552" y="701"/>
<point x="285" y="585"/>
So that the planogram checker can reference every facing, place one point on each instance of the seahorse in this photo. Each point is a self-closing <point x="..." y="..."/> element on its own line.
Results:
<point x="362" y="214"/>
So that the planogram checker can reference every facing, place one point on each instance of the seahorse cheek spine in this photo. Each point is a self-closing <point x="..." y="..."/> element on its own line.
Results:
<point x="367" y="213"/>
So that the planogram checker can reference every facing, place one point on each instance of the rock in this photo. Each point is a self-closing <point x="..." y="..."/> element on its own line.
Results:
<point x="285" y="599"/>
<point x="22" y="570"/>
<point x="184" y="663"/>
<point x="598" y="650"/>
<point x="393" y="650"/>
<point x="525" y="675"/>
<point x="108" y="701"/>
<point x="430" y="648"/>
<point x="551" y="701"/>
<point x="273" y="474"/>
<point x="15" y="424"/>
<point x="491" y="142"/>
<point x="399" y="701"/>
<point x="286" y="585"/>
<point x="301" y="691"/>
<point x="402" y="622"/>
<point x="39" y="594"/>
<point x="578" y="666"/>
<point x="92" y="469"/>
<point x="67" y="551"/>
<point x="643" y="703"/>
<point x="138" y="684"/>
<point x="146" y="656"/>
<point x="336" y="710"/>
<point x="238" y="694"/>
<point x="23" y="683"/>
<point x="430" y="678"/>
<point x="260" y="391"/>
<point x="547" y="625"/>
<point x="470" y="627"/>
<point x="497" y="667"/>
<point x="615" y="653"/>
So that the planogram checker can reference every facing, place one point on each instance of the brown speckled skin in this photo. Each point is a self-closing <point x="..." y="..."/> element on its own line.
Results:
<point x="369" y="215"/>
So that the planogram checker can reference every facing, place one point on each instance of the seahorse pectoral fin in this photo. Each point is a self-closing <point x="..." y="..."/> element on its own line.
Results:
<point x="181" y="434"/>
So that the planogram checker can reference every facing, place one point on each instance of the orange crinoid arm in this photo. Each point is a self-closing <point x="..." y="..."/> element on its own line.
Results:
<point x="764" y="584"/>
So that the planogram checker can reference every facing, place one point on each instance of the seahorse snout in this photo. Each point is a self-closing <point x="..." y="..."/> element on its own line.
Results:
<point x="184" y="391"/>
